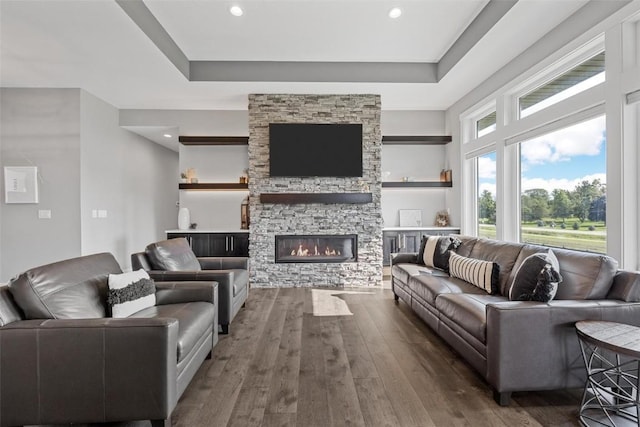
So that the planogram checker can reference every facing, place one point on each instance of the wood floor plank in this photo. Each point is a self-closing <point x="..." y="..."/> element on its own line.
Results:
<point x="342" y="397"/>
<point x="313" y="405"/>
<point x="375" y="406"/>
<point x="406" y="403"/>
<point x="283" y="393"/>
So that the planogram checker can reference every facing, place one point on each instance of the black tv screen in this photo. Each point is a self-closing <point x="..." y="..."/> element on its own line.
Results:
<point x="313" y="149"/>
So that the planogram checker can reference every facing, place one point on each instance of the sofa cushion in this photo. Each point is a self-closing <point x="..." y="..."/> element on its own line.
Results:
<point x="469" y="311"/>
<point x="483" y="274"/>
<point x="536" y="278"/>
<point x="435" y="251"/>
<point x="71" y="289"/>
<point x="172" y="255"/>
<point x="402" y="272"/>
<point x="130" y="292"/>
<point x="194" y="319"/>
<point x="429" y="286"/>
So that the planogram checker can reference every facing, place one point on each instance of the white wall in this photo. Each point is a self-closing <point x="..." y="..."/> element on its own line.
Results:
<point x="417" y="162"/>
<point x="129" y="177"/>
<point x="41" y="128"/>
<point x="85" y="162"/>
<point x="219" y="210"/>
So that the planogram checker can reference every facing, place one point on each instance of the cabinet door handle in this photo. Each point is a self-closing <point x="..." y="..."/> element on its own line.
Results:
<point x="232" y="243"/>
<point x="226" y="243"/>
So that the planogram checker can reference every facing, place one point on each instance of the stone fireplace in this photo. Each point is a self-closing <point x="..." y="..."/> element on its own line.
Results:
<point x="316" y="248"/>
<point x="315" y="208"/>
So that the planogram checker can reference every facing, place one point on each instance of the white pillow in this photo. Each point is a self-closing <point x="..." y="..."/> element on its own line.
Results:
<point x="130" y="293"/>
<point x="483" y="274"/>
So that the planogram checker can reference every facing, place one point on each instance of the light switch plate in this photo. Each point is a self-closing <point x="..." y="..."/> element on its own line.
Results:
<point x="44" y="214"/>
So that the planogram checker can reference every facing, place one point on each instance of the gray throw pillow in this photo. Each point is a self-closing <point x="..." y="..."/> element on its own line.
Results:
<point x="172" y="255"/>
<point x="536" y="279"/>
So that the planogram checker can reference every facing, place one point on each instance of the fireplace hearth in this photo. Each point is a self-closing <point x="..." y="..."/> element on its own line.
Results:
<point x="332" y="248"/>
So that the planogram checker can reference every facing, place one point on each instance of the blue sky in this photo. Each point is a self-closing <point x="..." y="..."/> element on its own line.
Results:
<point x="560" y="159"/>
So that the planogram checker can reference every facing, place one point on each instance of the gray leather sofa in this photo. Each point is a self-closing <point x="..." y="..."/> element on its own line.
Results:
<point x="62" y="360"/>
<point x="174" y="260"/>
<point x="518" y="345"/>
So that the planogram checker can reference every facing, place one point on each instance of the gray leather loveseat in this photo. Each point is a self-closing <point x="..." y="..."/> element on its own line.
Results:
<point x="174" y="260"/>
<point x="518" y="345"/>
<point x="63" y="360"/>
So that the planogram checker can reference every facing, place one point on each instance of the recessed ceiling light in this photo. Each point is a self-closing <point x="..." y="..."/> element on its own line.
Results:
<point x="395" y="13"/>
<point x="167" y="135"/>
<point x="236" y="11"/>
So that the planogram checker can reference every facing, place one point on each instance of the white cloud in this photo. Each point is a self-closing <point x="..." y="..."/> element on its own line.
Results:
<point x="486" y="168"/>
<point x="491" y="187"/>
<point x="583" y="139"/>
<point x="563" y="184"/>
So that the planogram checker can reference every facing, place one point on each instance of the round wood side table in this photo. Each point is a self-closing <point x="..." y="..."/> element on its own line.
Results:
<point x="611" y="354"/>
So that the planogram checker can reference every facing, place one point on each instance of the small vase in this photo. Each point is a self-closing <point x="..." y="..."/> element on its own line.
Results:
<point x="184" y="219"/>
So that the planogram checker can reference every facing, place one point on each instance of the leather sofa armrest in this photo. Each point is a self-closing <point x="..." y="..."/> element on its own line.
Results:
<point x="404" y="258"/>
<point x="532" y="345"/>
<point x="223" y="277"/>
<point x="224" y="263"/>
<point x="58" y="371"/>
<point x="181" y="292"/>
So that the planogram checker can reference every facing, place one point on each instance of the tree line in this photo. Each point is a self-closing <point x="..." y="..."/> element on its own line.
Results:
<point x="587" y="201"/>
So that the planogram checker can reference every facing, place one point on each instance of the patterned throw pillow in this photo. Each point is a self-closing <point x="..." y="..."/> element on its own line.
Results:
<point x="483" y="274"/>
<point x="536" y="279"/>
<point x="130" y="293"/>
<point x="435" y="250"/>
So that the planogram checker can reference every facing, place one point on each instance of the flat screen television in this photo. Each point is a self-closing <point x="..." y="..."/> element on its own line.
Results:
<point x="314" y="149"/>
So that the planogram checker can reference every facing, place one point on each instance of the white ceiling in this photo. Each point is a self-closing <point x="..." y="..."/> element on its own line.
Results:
<point x="96" y="46"/>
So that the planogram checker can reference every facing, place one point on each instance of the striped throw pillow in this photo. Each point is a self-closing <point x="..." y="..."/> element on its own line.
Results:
<point x="483" y="274"/>
<point x="130" y="293"/>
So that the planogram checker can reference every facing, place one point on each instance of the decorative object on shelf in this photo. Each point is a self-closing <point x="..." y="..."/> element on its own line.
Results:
<point x="447" y="175"/>
<point x="405" y="179"/>
<point x="443" y="175"/>
<point x="410" y="217"/>
<point x="442" y="218"/>
<point x="183" y="177"/>
<point x="191" y="176"/>
<point x="184" y="219"/>
<point x="244" y="214"/>
<point x="244" y="180"/>
<point x="193" y="226"/>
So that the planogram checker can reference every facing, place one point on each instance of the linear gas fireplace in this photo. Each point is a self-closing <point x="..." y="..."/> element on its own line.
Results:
<point x="317" y="248"/>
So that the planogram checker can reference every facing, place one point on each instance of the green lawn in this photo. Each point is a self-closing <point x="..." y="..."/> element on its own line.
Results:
<point x="582" y="239"/>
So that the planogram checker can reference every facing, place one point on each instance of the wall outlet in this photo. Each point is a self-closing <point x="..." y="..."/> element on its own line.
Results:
<point x="44" y="214"/>
<point x="102" y="213"/>
<point x="94" y="213"/>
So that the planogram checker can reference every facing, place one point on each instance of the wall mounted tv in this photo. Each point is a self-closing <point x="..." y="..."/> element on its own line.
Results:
<point x="314" y="149"/>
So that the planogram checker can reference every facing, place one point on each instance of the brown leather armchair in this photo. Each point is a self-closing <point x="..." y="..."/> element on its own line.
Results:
<point x="63" y="361"/>
<point x="174" y="260"/>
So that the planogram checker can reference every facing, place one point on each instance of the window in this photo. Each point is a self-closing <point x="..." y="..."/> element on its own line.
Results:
<point x="486" y="125"/>
<point x="582" y="77"/>
<point x="563" y="195"/>
<point x="486" y="167"/>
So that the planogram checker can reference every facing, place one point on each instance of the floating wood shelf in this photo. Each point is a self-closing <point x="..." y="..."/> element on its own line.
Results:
<point x="416" y="140"/>
<point x="214" y="186"/>
<point x="417" y="184"/>
<point x="214" y="140"/>
<point x="327" y="198"/>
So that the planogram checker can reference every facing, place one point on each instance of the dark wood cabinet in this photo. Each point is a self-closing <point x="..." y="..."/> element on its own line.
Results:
<point x="408" y="241"/>
<point x="216" y="244"/>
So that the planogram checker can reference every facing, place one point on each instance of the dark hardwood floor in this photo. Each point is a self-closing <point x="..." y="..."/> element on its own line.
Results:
<point x="283" y="365"/>
<point x="296" y="358"/>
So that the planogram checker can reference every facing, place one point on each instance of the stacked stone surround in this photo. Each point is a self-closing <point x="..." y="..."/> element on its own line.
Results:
<point x="268" y="220"/>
